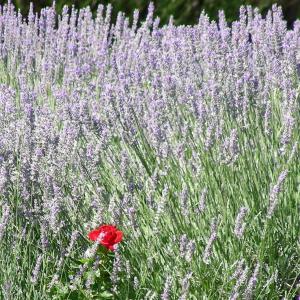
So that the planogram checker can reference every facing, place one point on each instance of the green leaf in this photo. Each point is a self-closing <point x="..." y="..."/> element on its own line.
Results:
<point x="85" y="260"/>
<point x="106" y="295"/>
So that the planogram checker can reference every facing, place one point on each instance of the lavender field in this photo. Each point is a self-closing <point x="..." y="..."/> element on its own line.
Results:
<point x="185" y="138"/>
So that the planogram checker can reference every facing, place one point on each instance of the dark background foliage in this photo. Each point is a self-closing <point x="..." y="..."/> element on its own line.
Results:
<point x="184" y="11"/>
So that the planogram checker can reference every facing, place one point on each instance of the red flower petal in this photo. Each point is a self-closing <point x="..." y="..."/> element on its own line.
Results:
<point x="111" y="247"/>
<point x="93" y="235"/>
<point x="108" y="237"/>
<point x="119" y="236"/>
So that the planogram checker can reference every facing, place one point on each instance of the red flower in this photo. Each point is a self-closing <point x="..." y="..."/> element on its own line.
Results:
<point x="106" y="235"/>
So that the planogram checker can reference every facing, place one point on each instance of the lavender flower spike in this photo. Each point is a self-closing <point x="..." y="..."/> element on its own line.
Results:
<point x="252" y="283"/>
<point x="212" y="238"/>
<point x="275" y="192"/>
<point x="239" y="227"/>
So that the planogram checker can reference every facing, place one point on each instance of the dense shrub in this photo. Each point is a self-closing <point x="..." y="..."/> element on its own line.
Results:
<point x="185" y="138"/>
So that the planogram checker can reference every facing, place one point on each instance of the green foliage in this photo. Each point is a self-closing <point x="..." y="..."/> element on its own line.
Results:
<point x="184" y="11"/>
<point x="98" y="276"/>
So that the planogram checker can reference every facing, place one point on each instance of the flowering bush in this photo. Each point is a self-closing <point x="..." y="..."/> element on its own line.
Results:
<point x="185" y="137"/>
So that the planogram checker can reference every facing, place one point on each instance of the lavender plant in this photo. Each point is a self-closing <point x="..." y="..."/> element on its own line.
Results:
<point x="172" y="133"/>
